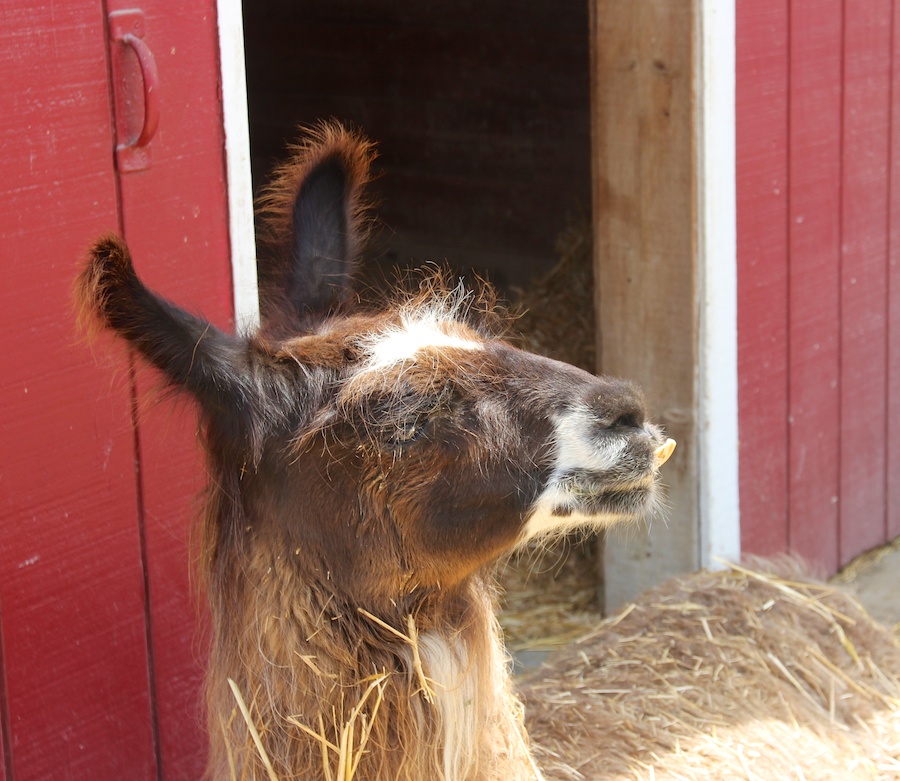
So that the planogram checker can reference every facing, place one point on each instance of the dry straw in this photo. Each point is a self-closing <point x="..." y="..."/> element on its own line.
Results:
<point x="340" y="761"/>
<point x="550" y="594"/>
<point x="351" y="734"/>
<point x="411" y="639"/>
<point x="557" y="317"/>
<point x="354" y="734"/>
<point x="740" y="674"/>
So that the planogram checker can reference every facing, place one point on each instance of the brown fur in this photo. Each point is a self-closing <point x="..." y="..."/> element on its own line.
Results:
<point x="367" y="468"/>
<point x="318" y="142"/>
<point x="277" y="232"/>
<point x="312" y="661"/>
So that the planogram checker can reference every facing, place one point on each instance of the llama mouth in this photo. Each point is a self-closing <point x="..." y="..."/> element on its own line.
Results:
<point x="591" y="499"/>
<point x="588" y="482"/>
<point x="595" y="496"/>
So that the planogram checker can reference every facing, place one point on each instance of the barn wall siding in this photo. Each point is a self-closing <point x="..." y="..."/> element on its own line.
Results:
<point x="818" y="337"/>
<point x="77" y="700"/>
<point x="893" y="330"/>
<point x="762" y="173"/>
<point x="814" y="244"/>
<point x="864" y="209"/>
<point x="175" y="219"/>
<point x="100" y="662"/>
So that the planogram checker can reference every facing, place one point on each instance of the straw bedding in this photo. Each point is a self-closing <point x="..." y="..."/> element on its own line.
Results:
<point x="550" y="596"/>
<point x="729" y="675"/>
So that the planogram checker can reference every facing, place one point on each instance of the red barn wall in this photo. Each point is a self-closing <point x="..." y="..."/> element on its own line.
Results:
<point x="819" y="302"/>
<point x="99" y="662"/>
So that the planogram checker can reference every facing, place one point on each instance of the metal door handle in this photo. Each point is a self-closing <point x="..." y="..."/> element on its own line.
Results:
<point x="127" y="28"/>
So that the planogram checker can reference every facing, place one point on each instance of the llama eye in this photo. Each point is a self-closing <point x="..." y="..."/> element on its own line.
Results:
<point x="410" y="431"/>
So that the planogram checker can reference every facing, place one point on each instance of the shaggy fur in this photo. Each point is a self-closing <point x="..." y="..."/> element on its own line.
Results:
<point x="367" y="469"/>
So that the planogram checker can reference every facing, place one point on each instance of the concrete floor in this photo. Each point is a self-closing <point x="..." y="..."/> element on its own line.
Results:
<point x="875" y="579"/>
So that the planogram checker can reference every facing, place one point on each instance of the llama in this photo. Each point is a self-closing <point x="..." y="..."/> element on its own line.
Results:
<point x="368" y="466"/>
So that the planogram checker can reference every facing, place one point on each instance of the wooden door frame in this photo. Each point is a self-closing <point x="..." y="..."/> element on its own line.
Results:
<point x="662" y="103"/>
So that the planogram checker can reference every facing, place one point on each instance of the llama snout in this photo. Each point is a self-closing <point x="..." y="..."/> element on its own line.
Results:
<point x="602" y="473"/>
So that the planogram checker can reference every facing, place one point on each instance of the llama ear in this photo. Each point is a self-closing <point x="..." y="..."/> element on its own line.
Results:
<point x="314" y="213"/>
<point x="190" y="352"/>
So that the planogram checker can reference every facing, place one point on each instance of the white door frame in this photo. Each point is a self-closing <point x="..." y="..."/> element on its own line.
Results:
<point x="237" y="164"/>
<point x="719" y="501"/>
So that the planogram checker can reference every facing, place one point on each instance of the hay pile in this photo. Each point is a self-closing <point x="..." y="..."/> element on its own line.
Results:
<point x="550" y="595"/>
<point x="728" y="675"/>
<point x="870" y="576"/>
<point x="557" y="310"/>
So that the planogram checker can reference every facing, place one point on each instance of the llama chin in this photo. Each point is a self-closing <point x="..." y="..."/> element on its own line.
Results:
<point x="367" y="469"/>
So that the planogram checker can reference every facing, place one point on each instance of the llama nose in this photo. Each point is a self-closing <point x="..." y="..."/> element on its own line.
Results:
<point x="664" y="452"/>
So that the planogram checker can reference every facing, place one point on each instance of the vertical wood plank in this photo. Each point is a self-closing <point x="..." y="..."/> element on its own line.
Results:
<point x="893" y="331"/>
<point x="866" y="117"/>
<point x="5" y="738"/>
<point x="762" y="237"/>
<point x="239" y="185"/>
<point x="815" y="265"/>
<point x="643" y="163"/>
<point x="176" y="223"/>
<point x="71" y="581"/>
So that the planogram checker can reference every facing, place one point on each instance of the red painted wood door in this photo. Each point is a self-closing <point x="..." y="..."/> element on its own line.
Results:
<point x="99" y="656"/>
<point x="818" y="89"/>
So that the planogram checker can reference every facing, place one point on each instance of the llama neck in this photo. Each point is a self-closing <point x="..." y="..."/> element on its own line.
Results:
<point x="335" y="690"/>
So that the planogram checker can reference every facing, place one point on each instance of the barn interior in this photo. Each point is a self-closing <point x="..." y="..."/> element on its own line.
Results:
<point x="480" y="113"/>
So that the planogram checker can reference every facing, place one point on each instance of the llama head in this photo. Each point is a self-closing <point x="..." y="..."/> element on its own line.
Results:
<point x="386" y="452"/>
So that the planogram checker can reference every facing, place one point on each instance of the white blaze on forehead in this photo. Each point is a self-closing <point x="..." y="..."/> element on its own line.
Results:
<point x="401" y="343"/>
